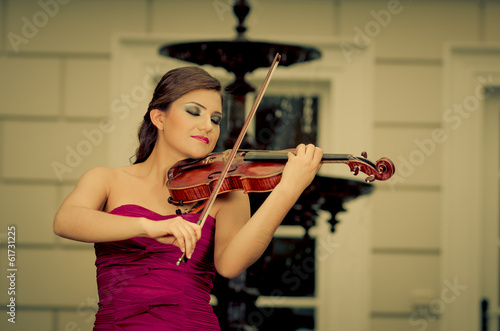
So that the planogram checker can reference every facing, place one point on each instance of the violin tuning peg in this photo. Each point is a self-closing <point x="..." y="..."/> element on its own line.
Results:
<point x="370" y="179"/>
<point x="364" y="154"/>
<point x="356" y="170"/>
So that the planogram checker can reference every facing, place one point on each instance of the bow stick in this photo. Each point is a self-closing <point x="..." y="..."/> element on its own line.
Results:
<point x="227" y="165"/>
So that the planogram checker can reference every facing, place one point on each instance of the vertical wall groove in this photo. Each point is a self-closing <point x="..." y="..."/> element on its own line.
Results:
<point x="481" y="12"/>
<point x="3" y="23"/>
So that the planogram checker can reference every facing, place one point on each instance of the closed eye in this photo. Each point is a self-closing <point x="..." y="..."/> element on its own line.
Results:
<point x="193" y="110"/>
<point x="196" y="111"/>
<point x="216" y="119"/>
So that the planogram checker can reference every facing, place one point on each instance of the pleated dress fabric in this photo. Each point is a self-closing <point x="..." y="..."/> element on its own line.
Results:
<point x="141" y="287"/>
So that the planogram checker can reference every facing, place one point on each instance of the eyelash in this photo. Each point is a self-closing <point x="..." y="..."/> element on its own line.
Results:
<point x="215" y="119"/>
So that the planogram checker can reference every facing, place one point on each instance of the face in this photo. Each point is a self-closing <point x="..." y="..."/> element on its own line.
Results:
<point x="191" y="125"/>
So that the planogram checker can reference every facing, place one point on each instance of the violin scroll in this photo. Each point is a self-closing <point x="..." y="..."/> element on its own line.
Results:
<point x="382" y="170"/>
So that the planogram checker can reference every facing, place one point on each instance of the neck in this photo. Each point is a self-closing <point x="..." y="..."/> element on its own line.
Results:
<point x="157" y="164"/>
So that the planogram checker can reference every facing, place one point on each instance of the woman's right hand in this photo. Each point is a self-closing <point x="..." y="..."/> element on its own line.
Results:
<point x="175" y="231"/>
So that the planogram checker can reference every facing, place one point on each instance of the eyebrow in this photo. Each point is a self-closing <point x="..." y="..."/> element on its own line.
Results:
<point x="196" y="103"/>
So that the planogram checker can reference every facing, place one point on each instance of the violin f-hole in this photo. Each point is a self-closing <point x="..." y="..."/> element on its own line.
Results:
<point x="211" y="176"/>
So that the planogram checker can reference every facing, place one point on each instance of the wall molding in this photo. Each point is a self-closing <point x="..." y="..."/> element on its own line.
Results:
<point x="466" y="68"/>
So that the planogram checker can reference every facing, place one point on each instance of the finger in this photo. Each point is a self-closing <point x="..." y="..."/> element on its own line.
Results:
<point x="184" y="239"/>
<point x="318" y="157"/>
<point x="197" y="230"/>
<point x="318" y="154"/>
<point x="178" y="239"/>
<point x="177" y="228"/>
<point x="194" y="234"/>
<point x="189" y="237"/>
<point x="194" y="237"/>
<point x="301" y="148"/>
<point x="309" y="150"/>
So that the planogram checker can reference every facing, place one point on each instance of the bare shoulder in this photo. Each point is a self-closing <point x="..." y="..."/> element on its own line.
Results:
<point x="98" y="172"/>
<point x="110" y="177"/>
<point x="97" y="177"/>
<point x="108" y="174"/>
<point x="92" y="189"/>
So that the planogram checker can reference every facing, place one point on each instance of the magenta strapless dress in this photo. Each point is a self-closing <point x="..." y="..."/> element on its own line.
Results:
<point x="141" y="287"/>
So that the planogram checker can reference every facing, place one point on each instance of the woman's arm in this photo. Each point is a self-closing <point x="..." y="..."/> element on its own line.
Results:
<point x="80" y="217"/>
<point x="240" y="241"/>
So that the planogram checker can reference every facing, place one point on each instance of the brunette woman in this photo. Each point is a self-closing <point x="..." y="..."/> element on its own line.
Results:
<point x="139" y="237"/>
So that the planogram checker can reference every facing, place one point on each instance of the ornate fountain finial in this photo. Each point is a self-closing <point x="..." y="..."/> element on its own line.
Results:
<point x="241" y="10"/>
<point x="239" y="56"/>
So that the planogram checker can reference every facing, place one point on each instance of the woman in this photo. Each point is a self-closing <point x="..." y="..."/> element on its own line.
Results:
<point x="139" y="237"/>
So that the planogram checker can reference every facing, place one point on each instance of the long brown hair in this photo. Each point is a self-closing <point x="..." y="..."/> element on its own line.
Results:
<point x="173" y="85"/>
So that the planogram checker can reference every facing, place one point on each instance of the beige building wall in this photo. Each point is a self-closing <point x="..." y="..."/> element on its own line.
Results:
<point x="55" y="60"/>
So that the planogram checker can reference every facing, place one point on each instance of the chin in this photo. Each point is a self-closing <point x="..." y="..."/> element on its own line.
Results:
<point x="199" y="153"/>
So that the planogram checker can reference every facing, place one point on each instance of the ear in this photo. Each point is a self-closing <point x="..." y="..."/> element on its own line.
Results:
<point x="157" y="117"/>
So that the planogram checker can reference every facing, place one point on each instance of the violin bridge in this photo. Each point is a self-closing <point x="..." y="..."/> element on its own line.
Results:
<point x="225" y="155"/>
<point x="209" y="160"/>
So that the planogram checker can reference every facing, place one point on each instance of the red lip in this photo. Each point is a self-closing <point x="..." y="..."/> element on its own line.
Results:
<point x="201" y="138"/>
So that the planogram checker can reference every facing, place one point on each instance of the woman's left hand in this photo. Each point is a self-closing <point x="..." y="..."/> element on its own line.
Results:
<point x="302" y="167"/>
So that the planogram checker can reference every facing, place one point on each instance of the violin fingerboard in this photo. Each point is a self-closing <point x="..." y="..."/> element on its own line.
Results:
<point x="274" y="156"/>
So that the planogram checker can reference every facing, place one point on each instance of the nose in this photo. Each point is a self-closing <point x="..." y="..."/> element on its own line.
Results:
<point x="206" y="123"/>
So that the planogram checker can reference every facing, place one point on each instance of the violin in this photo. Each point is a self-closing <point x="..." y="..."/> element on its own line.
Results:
<point x="253" y="171"/>
<point x="258" y="171"/>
